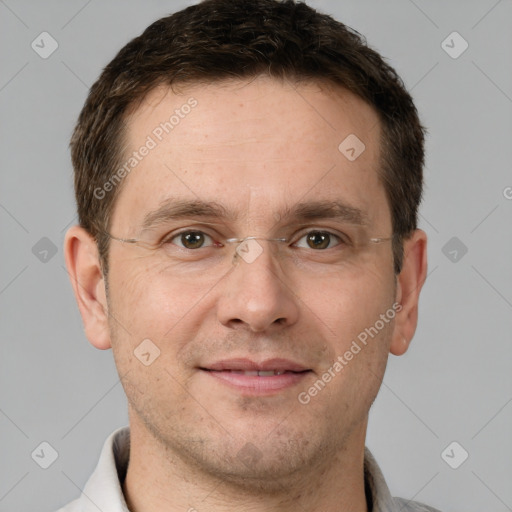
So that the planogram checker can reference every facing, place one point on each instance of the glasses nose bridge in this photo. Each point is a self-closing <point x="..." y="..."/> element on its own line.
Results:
<point x="249" y="249"/>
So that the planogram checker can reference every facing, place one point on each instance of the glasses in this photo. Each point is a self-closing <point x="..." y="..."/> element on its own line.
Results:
<point x="203" y="251"/>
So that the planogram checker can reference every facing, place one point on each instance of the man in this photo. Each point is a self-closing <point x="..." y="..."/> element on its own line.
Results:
<point x="247" y="176"/>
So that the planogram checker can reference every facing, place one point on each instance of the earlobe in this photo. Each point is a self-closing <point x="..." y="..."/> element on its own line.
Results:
<point x="84" y="268"/>
<point x="410" y="281"/>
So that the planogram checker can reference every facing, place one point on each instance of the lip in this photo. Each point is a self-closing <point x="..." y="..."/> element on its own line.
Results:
<point x="229" y="373"/>
<point x="247" y="365"/>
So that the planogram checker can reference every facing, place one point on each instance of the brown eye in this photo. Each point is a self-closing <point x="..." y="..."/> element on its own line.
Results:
<point x="190" y="239"/>
<point x="319" y="240"/>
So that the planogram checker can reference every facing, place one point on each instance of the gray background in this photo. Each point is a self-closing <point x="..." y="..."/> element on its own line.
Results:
<point x="455" y="383"/>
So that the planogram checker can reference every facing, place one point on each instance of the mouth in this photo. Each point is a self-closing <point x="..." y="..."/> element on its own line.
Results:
<point x="257" y="373"/>
<point x="252" y="378"/>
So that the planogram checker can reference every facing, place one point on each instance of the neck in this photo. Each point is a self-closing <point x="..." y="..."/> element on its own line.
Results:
<point x="158" y="479"/>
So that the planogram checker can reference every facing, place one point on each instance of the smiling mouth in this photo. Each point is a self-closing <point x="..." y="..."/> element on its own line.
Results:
<point x="249" y="380"/>
<point x="256" y="373"/>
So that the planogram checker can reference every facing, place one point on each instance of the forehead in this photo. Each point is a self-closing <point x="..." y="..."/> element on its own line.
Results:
<point x="225" y="112"/>
<point x="250" y="145"/>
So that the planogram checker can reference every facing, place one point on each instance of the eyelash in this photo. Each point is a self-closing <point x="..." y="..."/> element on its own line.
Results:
<point x="342" y="239"/>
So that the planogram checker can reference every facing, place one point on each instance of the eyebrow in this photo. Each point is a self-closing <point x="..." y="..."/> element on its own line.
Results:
<point x="176" y="209"/>
<point x="337" y="210"/>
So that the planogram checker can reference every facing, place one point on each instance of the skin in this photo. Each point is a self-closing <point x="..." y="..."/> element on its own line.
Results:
<point x="256" y="147"/>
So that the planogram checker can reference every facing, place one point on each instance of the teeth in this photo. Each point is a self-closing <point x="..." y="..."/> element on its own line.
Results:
<point x="255" y="373"/>
<point x="269" y="373"/>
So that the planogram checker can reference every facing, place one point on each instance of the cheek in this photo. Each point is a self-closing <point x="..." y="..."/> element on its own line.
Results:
<point x="145" y="302"/>
<point x="359" y="335"/>
<point x="345" y="304"/>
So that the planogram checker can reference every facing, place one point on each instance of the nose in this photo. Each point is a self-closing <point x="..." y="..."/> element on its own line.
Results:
<point x="257" y="293"/>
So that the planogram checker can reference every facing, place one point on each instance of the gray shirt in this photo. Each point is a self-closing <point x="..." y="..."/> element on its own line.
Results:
<point x="103" y="490"/>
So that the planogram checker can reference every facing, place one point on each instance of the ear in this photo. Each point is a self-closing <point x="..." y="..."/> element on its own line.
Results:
<point x="83" y="264"/>
<point x="409" y="284"/>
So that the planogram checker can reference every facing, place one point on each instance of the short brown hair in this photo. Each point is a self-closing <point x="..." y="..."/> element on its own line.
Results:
<point x="221" y="39"/>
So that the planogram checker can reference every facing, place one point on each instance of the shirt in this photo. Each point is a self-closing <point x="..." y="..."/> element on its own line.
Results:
<point x="103" y="491"/>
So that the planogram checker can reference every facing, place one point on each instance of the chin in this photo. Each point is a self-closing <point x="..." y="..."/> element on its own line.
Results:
<point x="266" y="463"/>
<point x="270" y="475"/>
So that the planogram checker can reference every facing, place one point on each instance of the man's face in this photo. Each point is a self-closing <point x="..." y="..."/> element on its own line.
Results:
<point x="257" y="149"/>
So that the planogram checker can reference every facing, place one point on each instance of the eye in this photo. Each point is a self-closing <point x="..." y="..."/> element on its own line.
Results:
<point x="189" y="239"/>
<point x="319" y="240"/>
